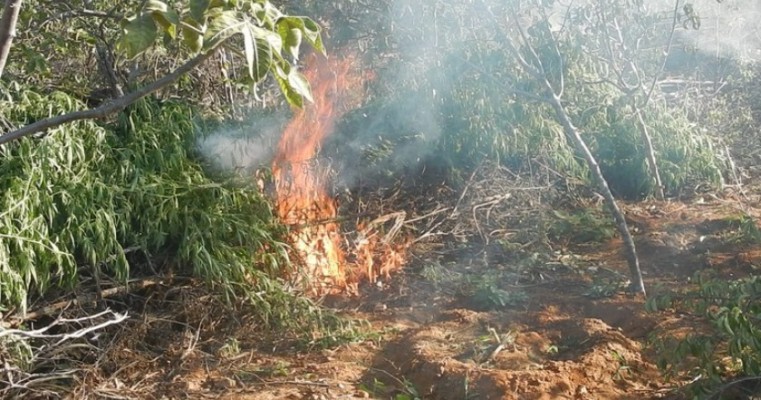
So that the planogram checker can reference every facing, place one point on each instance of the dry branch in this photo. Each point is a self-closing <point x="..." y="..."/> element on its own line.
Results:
<point x="79" y="300"/>
<point x="37" y="362"/>
<point x="8" y="29"/>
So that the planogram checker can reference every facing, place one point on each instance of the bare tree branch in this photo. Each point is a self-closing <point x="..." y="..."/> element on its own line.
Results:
<point x="665" y="55"/>
<point x="540" y="74"/>
<point x="113" y="106"/>
<point x="8" y="30"/>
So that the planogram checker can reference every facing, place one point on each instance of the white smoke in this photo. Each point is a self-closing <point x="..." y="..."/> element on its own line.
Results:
<point x="728" y="29"/>
<point x="243" y="149"/>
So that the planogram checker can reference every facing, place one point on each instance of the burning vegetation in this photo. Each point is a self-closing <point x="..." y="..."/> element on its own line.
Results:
<point x="329" y="263"/>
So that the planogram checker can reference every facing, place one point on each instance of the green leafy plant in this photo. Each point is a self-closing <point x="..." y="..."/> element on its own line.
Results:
<point x="581" y="226"/>
<point x="606" y="287"/>
<point x="202" y="25"/>
<point x="463" y="100"/>
<point x="231" y="348"/>
<point x="728" y="347"/>
<point x="406" y="390"/>
<point x="623" y="368"/>
<point x="747" y="231"/>
<point x="268" y="39"/>
<point x="77" y="199"/>
<point x="485" y="293"/>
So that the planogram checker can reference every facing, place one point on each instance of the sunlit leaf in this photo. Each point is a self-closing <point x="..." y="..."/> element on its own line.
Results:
<point x="222" y="24"/>
<point x="165" y="17"/>
<point x="191" y="35"/>
<point x="156" y="5"/>
<point x="300" y="85"/>
<point x="271" y="38"/>
<point x="250" y="50"/>
<point x="312" y="34"/>
<point x="290" y="30"/>
<point x="290" y="94"/>
<point x="138" y="34"/>
<point x="264" y="54"/>
<point x="198" y="9"/>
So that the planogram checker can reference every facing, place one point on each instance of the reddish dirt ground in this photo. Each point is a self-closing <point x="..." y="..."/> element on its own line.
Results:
<point x="559" y="340"/>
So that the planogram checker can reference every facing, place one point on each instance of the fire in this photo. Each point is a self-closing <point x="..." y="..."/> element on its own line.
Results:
<point x="302" y="199"/>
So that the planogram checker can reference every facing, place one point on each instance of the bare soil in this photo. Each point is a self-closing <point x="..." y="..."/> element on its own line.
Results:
<point x="557" y="332"/>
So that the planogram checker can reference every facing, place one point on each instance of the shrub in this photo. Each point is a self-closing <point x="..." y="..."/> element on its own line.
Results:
<point x="449" y="106"/>
<point x="729" y="346"/>
<point x="76" y="198"/>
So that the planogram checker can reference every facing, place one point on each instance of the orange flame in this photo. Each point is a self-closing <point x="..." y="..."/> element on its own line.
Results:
<point x="303" y="201"/>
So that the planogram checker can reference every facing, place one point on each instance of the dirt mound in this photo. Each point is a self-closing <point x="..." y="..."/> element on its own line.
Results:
<point x="513" y="354"/>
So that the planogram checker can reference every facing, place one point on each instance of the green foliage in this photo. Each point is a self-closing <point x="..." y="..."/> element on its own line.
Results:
<point x="406" y="390"/>
<point x="84" y="193"/>
<point x="466" y="98"/>
<point x="606" y="287"/>
<point x="87" y="47"/>
<point x="581" y="226"/>
<point x="729" y="346"/>
<point x="747" y="231"/>
<point x="485" y="293"/>
<point x="268" y="36"/>
<point x="685" y="157"/>
<point x="289" y="312"/>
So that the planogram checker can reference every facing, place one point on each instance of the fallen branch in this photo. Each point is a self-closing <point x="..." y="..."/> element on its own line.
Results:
<point x="83" y="299"/>
<point x="42" y="332"/>
<point x="50" y="360"/>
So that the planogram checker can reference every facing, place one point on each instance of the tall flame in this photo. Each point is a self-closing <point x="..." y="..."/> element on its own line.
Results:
<point x="302" y="198"/>
<point x="303" y="202"/>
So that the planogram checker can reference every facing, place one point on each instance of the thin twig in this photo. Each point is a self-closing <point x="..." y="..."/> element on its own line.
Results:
<point x="84" y="299"/>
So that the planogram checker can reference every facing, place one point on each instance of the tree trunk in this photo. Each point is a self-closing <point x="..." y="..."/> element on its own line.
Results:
<point x="8" y="30"/>
<point x="637" y="285"/>
<point x="651" y="160"/>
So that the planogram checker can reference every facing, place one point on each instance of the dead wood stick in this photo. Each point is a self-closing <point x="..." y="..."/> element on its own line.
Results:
<point x="464" y="191"/>
<point x="430" y="214"/>
<point x="83" y="299"/>
<point x="306" y="383"/>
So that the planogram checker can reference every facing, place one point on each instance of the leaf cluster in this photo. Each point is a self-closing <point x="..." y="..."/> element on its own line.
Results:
<point x="729" y="347"/>
<point x="268" y="36"/>
<point x="454" y="95"/>
<point x="79" y="199"/>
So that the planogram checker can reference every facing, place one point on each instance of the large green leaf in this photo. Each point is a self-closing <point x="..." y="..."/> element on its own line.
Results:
<point x="191" y="35"/>
<point x="312" y="34"/>
<point x="250" y="50"/>
<point x="258" y="53"/>
<point x="288" y="91"/>
<point x="139" y="34"/>
<point x="198" y="10"/>
<point x="165" y="17"/>
<point x="222" y="24"/>
<point x="271" y="38"/>
<point x="264" y="57"/>
<point x="299" y="84"/>
<point x="290" y="30"/>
